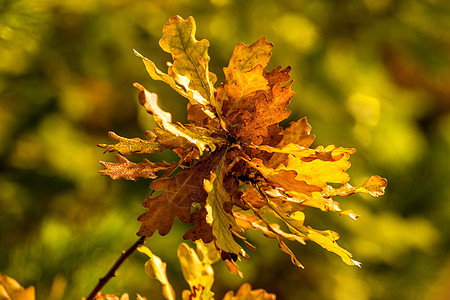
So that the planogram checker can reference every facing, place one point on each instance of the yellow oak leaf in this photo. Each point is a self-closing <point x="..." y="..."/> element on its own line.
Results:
<point x="245" y="58"/>
<point x="156" y="268"/>
<point x="245" y="292"/>
<point x="199" y="274"/>
<point x="284" y="178"/>
<point x="11" y="289"/>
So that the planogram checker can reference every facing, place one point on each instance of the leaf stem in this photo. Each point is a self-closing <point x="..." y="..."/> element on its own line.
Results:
<point x="112" y="272"/>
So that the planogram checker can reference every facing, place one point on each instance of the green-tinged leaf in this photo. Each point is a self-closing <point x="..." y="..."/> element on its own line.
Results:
<point x="156" y="268"/>
<point x="221" y="221"/>
<point x="128" y="146"/>
<point x="197" y="273"/>
<point x="190" y="58"/>
<point x="170" y="141"/>
<point x="156" y="74"/>
<point x="176" y="199"/>
<point x="128" y="170"/>
<point x="246" y="57"/>
<point x="202" y="138"/>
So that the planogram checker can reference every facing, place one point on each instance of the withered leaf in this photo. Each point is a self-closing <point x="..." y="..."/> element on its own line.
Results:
<point x="277" y="75"/>
<point x="128" y="170"/>
<point x="178" y="194"/>
<point x="201" y="229"/>
<point x="298" y="133"/>
<point x="374" y="186"/>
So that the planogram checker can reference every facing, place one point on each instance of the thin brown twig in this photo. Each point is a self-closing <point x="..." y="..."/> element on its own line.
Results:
<point x="112" y="272"/>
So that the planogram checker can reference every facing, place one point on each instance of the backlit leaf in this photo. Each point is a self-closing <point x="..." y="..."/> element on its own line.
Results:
<point x="156" y="268"/>
<point x="202" y="138"/>
<point x="325" y="238"/>
<point x="245" y="292"/>
<point x="221" y="221"/>
<point x="190" y="58"/>
<point x="245" y="58"/>
<point x="191" y="95"/>
<point x="374" y="186"/>
<point x="285" y="179"/>
<point x="298" y="133"/>
<point x="199" y="274"/>
<point x="11" y="289"/>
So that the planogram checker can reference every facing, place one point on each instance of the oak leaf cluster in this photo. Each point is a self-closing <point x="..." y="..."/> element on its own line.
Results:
<point x="237" y="166"/>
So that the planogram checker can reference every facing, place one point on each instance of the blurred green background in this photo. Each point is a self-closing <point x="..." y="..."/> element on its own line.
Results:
<point x="373" y="75"/>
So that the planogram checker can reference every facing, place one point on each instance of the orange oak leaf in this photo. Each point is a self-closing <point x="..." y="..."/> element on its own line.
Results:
<point x="298" y="133"/>
<point x="240" y="88"/>
<point x="277" y="75"/>
<point x="176" y="199"/>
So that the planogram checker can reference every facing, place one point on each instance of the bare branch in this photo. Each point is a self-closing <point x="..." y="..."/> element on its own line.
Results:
<point x="112" y="272"/>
